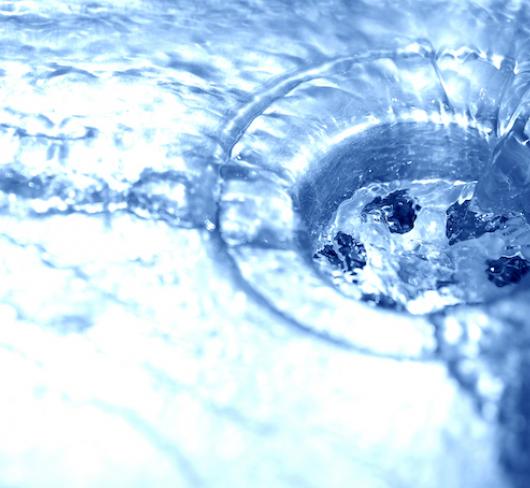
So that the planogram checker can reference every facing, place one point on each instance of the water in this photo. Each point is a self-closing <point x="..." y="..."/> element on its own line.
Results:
<point x="504" y="187"/>
<point x="420" y="251"/>
<point x="168" y="172"/>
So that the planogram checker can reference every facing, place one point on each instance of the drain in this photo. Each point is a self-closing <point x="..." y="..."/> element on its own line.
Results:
<point x="424" y="248"/>
<point x="346" y="199"/>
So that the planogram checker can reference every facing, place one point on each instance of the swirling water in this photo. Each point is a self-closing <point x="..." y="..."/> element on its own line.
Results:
<point x="168" y="171"/>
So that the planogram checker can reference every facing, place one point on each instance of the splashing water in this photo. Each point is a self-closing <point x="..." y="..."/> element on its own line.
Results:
<point x="506" y="185"/>
<point x="255" y="243"/>
<point x="423" y="250"/>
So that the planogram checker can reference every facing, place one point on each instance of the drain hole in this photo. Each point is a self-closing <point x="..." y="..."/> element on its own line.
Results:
<point x="398" y="211"/>
<point x="419" y="244"/>
<point x="344" y="253"/>
<point x="507" y="270"/>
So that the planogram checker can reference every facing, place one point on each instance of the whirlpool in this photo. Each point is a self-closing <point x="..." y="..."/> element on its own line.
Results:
<point x="255" y="243"/>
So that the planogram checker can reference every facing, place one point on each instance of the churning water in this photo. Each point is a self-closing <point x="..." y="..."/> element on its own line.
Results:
<point x="280" y="243"/>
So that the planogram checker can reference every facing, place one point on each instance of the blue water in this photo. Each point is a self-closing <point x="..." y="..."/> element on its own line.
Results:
<point x="264" y="243"/>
